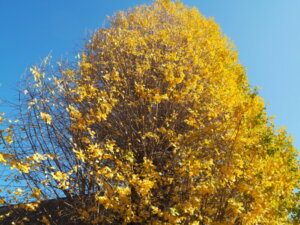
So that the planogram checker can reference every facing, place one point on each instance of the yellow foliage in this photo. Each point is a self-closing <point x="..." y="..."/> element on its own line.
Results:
<point x="46" y="117"/>
<point x="162" y="128"/>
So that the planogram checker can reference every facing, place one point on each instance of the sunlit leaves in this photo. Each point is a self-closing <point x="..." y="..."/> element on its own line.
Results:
<point x="155" y="124"/>
<point x="46" y="117"/>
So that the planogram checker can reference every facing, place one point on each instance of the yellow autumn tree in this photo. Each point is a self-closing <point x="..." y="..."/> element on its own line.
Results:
<point x="155" y="124"/>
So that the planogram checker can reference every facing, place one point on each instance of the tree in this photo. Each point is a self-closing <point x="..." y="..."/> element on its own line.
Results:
<point x="155" y="124"/>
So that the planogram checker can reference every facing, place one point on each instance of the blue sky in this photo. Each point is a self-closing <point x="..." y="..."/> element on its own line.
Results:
<point x="266" y="33"/>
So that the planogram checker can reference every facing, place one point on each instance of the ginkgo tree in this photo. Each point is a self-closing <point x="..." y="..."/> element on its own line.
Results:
<point x="154" y="124"/>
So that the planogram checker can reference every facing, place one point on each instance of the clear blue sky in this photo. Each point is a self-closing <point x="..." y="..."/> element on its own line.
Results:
<point x="266" y="33"/>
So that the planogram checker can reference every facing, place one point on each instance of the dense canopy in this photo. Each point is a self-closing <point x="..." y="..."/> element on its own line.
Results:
<point x="155" y="124"/>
